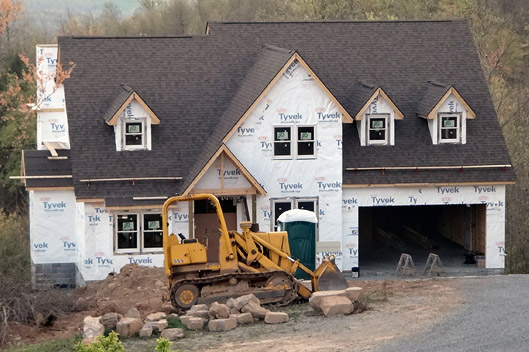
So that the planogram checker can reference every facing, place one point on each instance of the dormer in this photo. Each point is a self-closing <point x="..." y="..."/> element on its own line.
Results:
<point x="375" y="115"/>
<point x="132" y="120"/>
<point x="447" y="113"/>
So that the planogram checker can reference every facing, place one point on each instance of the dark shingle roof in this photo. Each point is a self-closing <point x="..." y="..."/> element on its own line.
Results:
<point x="400" y="56"/>
<point x="433" y="93"/>
<point x="122" y="95"/>
<point x="200" y="86"/>
<point x="36" y="163"/>
<point x="269" y="62"/>
<point x="360" y="94"/>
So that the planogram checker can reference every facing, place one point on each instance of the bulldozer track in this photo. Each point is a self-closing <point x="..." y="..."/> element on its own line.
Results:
<point x="288" y="294"/>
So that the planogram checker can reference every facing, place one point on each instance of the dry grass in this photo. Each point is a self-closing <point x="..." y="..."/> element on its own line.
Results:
<point x="20" y="304"/>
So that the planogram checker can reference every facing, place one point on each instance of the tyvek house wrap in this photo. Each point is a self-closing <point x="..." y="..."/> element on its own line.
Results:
<point x="51" y="116"/>
<point x="95" y="226"/>
<point x="296" y="99"/>
<point x="52" y="228"/>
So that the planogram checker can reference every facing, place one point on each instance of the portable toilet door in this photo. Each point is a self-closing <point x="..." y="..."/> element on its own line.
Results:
<point x="300" y="225"/>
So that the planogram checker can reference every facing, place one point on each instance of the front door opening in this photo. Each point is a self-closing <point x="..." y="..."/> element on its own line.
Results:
<point x="207" y="224"/>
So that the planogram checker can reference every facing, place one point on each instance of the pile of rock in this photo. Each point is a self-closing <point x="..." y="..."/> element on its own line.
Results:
<point x="129" y="325"/>
<point x="217" y="317"/>
<point x="337" y="302"/>
<point x="223" y="317"/>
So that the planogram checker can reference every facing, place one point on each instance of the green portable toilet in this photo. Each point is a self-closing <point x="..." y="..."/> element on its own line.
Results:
<point x="300" y="225"/>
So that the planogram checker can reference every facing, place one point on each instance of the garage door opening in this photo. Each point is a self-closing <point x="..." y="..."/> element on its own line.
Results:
<point x="450" y="231"/>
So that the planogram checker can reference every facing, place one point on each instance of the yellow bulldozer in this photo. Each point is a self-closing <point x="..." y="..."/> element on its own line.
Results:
<point x="248" y="262"/>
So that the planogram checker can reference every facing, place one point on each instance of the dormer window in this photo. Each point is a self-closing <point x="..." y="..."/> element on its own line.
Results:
<point x="132" y="120"/>
<point x="377" y="129"/>
<point x="447" y="113"/>
<point x="375" y="116"/>
<point x="134" y="135"/>
<point x="449" y="128"/>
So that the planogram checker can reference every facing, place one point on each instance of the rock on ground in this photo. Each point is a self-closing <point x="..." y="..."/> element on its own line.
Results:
<point x="109" y="320"/>
<point x="133" y="313"/>
<point x="198" y="313"/>
<point x="336" y="305"/>
<point x="158" y="326"/>
<point x="241" y="301"/>
<point x="256" y="310"/>
<point x="198" y="307"/>
<point x="354" y="293"/>
<point x="173" y="334"/>
<point x="218" y="311"/>
<point x="243" y="318"/>
<point x="316" y="297"/>
<point x="146" y="331"/>
<point x="276" y="317"/>
<point x="195" y="323"/>
<point x="156" y="316"/>
<point x="92" y="328"/>
<point x="222" y="324"/>
<point x="127" y="327"/>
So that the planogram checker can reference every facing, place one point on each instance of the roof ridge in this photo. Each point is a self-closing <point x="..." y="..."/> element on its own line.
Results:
<point x="340" y="21"/>
<point x="136" y="37"/>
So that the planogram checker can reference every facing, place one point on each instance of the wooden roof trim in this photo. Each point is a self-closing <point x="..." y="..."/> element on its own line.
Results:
<point x="235" y="161"/>
<point x="23" y="169"/>
<point x="470" y="113"/>
<point x="65" y="188"/>
<point x="398" y="114"/>
<point x="90" y="200"/>
<point x="226" y="191"/>
<point x="133" y="207"/>
<point x="346" y="118"/>
<point x="133" y="95"/>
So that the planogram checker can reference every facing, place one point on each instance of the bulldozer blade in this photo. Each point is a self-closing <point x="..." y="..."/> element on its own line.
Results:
<point x="331" y="278"/>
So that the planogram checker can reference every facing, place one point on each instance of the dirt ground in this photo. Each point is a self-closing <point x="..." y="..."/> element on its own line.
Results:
<point x="396" y="308"/>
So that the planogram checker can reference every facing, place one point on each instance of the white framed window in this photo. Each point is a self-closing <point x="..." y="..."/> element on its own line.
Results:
<point x="449" y="128"/>
<point x="283" y="141"/>
<point x="280" y="205"/>
<point x="377" y="129"/>
<point x="134" y="134"/>
<point x="138" y="232"/>
<point x="294" y="142"/>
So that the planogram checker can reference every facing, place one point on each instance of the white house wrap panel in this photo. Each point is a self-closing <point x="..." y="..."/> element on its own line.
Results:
<point x="52" y="227"/>
<point x="295" y="100"/>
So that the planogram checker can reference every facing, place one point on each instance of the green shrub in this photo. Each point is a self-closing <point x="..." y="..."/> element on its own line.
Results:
<point x="163" y="345"/>
<point x="14" y="247"/>
<point x="175" y="323"/>
<point x="108" y="343"/>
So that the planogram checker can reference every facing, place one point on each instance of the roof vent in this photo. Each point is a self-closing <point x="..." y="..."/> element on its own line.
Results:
<point x="126" y="87"/>
<point x="437" y="83"/>
<point x="367" y="84"/>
